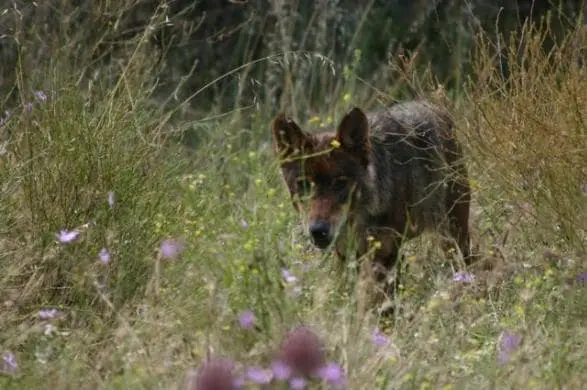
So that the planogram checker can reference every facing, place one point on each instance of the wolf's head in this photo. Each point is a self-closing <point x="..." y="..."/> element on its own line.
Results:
<point x="326" y="172"/>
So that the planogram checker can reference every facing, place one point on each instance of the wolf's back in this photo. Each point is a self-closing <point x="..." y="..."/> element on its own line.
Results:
<point x="408" y="149"/>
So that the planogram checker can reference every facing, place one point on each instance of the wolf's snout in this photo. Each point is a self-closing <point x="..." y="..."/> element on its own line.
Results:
<point x="320" y="232"/>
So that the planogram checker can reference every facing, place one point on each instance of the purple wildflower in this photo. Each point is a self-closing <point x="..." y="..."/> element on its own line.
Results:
<point x="28" y="107"/>
<point x="239" y="382"/>
<point x="297" y="383"/>
<point x="379" y="338"/>
<point x="244" y="224"/>
<point x="281" y="371"/>
<point x="217" y="374"/>
<point x="302" y="351"/>
<point x="247" y="319"/>
<point x="332" y="373"/>
<point x="40" y="96"/>
<point x="9" y="362"/>
<point x="582" y="277"/>
<point x="259" y="376"/>
<point x="66" y="237"/>
<point x="48" y="314"/>
<point x="111" y="198"/>
<point x="104" y="256"/>
<point x="463" y="277"/>
<point x="288" y="276"/>
<point x="508" y="343"/>
<point x="170" y="248"/>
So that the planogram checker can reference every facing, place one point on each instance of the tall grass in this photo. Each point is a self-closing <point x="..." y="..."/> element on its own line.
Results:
<point x="146" y="316"/>
<point x="528" y="129"/>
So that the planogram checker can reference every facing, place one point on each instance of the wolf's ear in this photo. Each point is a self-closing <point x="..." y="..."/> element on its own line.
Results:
<point x="353" y="134"/>
<point x="287" y="136"/>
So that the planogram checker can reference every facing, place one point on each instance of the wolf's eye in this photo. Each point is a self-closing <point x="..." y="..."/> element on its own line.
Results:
<point x="340" y="183"/>
<point x="304" y="187"/>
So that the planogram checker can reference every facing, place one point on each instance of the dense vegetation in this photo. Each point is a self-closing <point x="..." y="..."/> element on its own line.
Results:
<point x="145" y="228"/>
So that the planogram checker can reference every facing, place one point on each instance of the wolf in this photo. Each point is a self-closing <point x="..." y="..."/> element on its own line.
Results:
<point x="386" y="176"/>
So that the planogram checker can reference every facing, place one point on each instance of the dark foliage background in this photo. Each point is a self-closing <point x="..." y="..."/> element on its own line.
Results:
<point x="197" y="42"/>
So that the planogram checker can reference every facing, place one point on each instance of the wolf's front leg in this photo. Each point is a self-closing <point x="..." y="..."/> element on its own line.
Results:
<point x="384" y="262"/>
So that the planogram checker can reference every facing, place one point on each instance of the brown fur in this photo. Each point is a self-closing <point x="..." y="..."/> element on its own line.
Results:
<point x="391" y="175"/>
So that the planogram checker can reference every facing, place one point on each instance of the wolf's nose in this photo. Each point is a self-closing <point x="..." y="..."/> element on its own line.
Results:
<point x="320" y="232"/>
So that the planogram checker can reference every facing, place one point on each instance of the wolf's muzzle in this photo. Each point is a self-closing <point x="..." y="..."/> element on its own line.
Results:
<point x="320" y="231"/>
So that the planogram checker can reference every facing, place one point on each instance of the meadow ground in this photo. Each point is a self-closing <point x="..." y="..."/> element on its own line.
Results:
<point x="127" y="260"/>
